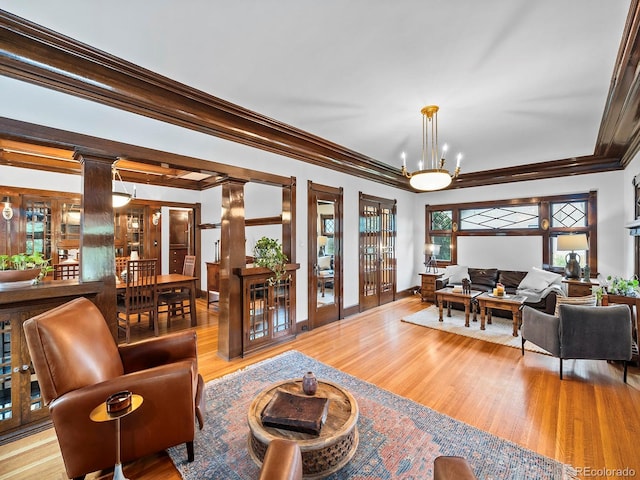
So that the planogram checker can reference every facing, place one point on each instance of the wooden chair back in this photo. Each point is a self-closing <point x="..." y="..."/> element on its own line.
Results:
<point x="121" y="265"/>
<point x="65" y="271"/>
<point x="141" y="294"/>
<point x="189" y="266"/>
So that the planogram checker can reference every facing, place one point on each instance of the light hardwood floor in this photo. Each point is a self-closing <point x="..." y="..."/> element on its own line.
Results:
<point x="591" y="419"/>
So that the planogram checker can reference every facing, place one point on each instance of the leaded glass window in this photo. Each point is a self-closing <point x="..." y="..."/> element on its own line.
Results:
<point x="441" y="220"/>
<point x="499" y="218"/>
<point x="569" y="214"/>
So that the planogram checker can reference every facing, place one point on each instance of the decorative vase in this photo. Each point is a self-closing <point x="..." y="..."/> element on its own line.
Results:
<point x="309" y="383"/>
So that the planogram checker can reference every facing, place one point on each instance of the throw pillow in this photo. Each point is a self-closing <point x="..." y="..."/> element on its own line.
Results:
<point x="537" y="279"/>
<point x="324" y="263"/>
<point x="455" y="273"/>
<point x="589" y="300"/>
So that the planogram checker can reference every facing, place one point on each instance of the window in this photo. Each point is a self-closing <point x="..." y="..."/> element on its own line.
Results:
<point x="568" y="217"/>
<point x="499" y="218"/>
<point x="545" y="217"/>
<point x="441" y="225"/>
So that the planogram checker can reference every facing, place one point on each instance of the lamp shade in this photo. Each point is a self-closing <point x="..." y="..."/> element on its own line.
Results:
<point x="430" y="180"/>
<point x="570" y="243"/>
<point x="431" y="249"/>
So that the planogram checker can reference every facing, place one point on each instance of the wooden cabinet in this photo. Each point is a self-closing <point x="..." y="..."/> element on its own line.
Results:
<point x="213" y="282"/>
<point x="176" y="259"/>
<point x="428" y="286"/>
<point x="579" y="288"/>
<point x="268" y="311"/>
<point x="21" y="404"/>
<point x="130" y="225"/>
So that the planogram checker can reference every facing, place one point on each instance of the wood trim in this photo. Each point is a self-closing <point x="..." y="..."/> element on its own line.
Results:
<point x="54" y="137"/>
<point x="38" y="55"/>
<point x="46" y="58"/>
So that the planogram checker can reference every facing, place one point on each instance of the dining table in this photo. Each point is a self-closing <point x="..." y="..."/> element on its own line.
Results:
<point x="170" y="281"/>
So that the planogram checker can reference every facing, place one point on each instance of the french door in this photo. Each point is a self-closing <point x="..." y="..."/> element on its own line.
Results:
<point x="377" y="251"/>
<point x="324" y="254"/>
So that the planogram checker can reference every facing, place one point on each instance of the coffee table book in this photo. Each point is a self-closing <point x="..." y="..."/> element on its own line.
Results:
<point x="298" y="413"/>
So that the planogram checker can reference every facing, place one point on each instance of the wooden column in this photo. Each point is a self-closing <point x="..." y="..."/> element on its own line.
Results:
<point x="232" y="246"/>
<point x="97" y="250"/>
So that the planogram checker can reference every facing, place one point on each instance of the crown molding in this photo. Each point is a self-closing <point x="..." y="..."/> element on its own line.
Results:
<point x="32" y="53"/>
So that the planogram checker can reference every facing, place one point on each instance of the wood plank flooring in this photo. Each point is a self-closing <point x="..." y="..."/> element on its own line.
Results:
<point x="590" y="420"/>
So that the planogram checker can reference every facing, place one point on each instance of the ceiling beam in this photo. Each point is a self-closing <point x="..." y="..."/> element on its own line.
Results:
<point x="32" y="53"/>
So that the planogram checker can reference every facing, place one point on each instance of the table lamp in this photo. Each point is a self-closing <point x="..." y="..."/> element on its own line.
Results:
<point x="571" y="243"/>
<point x="432" y="250"/>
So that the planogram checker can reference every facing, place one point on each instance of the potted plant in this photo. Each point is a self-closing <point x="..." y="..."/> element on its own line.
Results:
<point x="23" y="267"/>
<point x="268" y="253"/>
<point x="621" y="286"/>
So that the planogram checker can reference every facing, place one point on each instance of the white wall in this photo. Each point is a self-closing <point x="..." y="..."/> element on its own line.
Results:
<point x="22" y="101"/>
<point x="613" y="199"/>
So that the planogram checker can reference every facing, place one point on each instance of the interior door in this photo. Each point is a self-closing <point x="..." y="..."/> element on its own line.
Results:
<point x="325" y="255"/>
<point x="180" y="237"/>
<point x="377" y="251"/>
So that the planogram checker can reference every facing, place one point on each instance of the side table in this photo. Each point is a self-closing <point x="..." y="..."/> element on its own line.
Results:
<point x="579" y="288"/>
<point x="100" y="414"/>
<point x="428" y="286"/>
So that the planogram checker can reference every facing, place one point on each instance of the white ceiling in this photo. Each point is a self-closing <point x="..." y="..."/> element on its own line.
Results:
<point x="517" y="81"/>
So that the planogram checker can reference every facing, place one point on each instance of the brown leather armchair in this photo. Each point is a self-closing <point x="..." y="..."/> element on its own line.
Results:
<point x="283" y="461"/>
<point x="79" y="365"/>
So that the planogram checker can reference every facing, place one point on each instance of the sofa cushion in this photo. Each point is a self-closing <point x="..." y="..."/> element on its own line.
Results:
<point x="484" y="276"/>
<point x="455" y="273"/>
<point x="589" y="300"/>
<point x="511" y="279"/>
<point x="538" y="279"/>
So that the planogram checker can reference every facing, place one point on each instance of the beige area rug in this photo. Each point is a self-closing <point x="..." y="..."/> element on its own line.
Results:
<point x="500" y="331"/>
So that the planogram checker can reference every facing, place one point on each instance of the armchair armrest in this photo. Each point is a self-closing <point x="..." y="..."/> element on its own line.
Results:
<point x="165" y="418"/>
<point x="159" y="351"/>
<point x="283" y="460"/>
<point x="542" y="329"/>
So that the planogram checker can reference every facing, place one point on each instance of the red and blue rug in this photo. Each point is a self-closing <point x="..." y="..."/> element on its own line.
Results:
<point x="399" y="438"/>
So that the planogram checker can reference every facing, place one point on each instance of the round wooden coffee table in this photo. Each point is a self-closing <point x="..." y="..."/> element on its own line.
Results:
<point x="322" y="454"/>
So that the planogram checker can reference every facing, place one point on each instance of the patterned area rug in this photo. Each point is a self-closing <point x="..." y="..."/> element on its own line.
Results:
<point x="399" y="438"/>
<point x="500" y="331"/>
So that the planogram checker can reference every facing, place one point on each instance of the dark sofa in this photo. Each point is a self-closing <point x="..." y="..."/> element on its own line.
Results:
<point x="485" y="279"/>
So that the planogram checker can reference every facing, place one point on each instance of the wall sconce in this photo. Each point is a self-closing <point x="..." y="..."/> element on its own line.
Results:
<point x="155" y="218"/>
<point x="7" y="211"/>
<point x="432" y="250"/>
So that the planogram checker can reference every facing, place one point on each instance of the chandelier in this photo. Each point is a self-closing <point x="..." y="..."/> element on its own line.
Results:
<point x="431" y="174"/>
<point x="120" y="199"/>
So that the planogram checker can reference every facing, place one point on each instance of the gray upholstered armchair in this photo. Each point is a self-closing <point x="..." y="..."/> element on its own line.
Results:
<point x="586" y="332"/>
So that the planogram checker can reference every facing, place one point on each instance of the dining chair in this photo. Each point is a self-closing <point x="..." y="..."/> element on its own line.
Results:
<point x="141" y="296"/>
<point x="66" y="271"/>
<point x="121" y="266"/>
<point x="175" y="299"/>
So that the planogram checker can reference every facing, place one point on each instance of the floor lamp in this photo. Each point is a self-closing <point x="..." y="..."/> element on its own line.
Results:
<point x="432" y="251"/>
